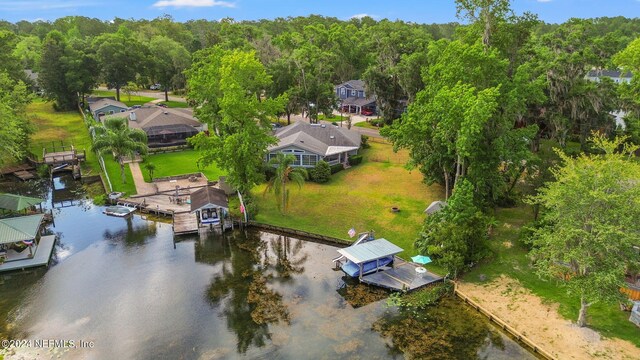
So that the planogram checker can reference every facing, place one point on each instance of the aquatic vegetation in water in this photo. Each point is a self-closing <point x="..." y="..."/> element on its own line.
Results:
<point x="361" y="295"/>
<point x="269" y="307"/>
<point x="418" y="300"/>
<point x="446" y="331"/>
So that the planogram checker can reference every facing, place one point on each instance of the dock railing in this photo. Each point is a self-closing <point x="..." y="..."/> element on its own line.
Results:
<point x="503" y="325"/>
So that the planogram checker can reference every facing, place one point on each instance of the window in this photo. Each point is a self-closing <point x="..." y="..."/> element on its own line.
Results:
<point x="343" y="91"/>
<point x="110" y="112"/>
<point x="297" y="162"/>
<point x="309" y="160"/>
<point x="353" y="93"/>
<point x="331" y="158"/>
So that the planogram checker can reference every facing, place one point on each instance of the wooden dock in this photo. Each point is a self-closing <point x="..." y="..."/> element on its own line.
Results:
<point x="401" y="277"/>
<point x="41" y="256"/>
<point x="185" y="223"/>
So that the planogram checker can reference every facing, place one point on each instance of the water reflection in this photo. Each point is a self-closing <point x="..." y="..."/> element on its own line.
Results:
<point x="126" y="285"/>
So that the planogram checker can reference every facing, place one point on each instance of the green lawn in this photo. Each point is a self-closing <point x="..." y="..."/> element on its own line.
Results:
<point x="66" y="128"/>
<point x="359" y="197"/>
<point x="178" y="163"/>
<point x="510" y="258"/>
<point x="366" y="125"/>
<point x="129" y="100"/>
<point x="113" y="169"/>
<point x="175" y="104"/>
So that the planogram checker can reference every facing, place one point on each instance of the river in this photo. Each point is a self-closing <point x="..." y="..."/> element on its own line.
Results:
<point x="123" y="289"/>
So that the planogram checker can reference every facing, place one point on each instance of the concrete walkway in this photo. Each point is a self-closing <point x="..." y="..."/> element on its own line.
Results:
<point x="142" y="187"/>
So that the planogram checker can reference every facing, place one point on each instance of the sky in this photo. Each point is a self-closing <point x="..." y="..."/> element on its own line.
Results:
<point x="419" y="11"/>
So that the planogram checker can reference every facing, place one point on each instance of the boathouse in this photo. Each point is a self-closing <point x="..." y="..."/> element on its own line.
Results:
<point x="209" y="204"/>
<point x="21" y="245"/>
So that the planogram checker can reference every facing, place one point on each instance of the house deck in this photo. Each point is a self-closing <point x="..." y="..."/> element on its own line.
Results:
<point x="402" y="277"/>
<point x="41" y="256"/>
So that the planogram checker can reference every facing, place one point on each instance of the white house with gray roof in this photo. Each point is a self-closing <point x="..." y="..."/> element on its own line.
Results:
<point x="616" y="76"/>
<point x="310" y="143"/>
<point x="105" y="106"/>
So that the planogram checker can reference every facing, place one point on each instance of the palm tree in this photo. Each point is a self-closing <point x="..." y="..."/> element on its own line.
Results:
<point x="284" y="174"/>
<point x="116" y="137"/>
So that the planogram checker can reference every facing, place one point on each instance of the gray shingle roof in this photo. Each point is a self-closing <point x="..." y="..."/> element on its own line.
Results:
<point x="102" y="103"/>
<point x="147" y="117"/>
<point x="359" y="101"/>
<point x="208" y="196"/>
<point x="319" y="139"/>
<point x="353" y="84"/>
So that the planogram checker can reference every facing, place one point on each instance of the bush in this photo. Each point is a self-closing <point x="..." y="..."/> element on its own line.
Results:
<point x="355" y="160"/>
<point x="336" y="168"/>
<point x="269" y="171"/>
<point x="364" y="142"/>
<point x="321" y="172"/>
<point x="377" y="122"/>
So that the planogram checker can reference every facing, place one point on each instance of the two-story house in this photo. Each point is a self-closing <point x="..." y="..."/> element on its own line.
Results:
<point x="353" y="98"/>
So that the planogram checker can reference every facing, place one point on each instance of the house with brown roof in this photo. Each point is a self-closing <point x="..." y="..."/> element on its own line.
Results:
<point x="310" y="143"/>
<point x="209" y="204"/>
<point x="164" y="126"/>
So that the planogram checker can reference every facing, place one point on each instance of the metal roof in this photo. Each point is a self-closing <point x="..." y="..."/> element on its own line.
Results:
<point x="369" y="251"/>
<point x="19" y="228"/>
<point x="17" y="202"/>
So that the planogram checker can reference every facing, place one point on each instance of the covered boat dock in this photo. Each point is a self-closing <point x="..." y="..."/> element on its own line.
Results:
<point x="371" y="259"/>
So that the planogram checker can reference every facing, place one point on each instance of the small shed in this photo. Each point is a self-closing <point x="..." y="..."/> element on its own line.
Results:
<point x="14" y="202"/>
<point x="210" y="204"/>
<point x="434" y="207"/>
<point x="635" y="313"/>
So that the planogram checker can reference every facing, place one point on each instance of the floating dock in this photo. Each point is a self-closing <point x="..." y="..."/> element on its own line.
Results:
<point x="403" y="276"/>
<point x="41" y="256"/>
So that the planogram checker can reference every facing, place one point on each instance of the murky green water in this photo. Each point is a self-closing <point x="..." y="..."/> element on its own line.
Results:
<point x="125" y="285"/>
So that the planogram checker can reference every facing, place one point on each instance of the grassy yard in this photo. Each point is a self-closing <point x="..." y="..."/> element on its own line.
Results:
<point x="359" y="197"/>
<point x="366" y="125"/>
<point x="60" y="127"/>
<point x="113" y="169"/>
<point x="129" y="100"/>
<point x="175" y="104"/>
<point x="510" y="258"/>
<point x="177" y="163"/>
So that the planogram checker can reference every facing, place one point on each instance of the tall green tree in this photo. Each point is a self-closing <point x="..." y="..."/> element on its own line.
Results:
<point x="168" y="59"/>
<point x="590" y="223"/>
<point x="455" y="236"/>
<point x="284" y="174"/>
<point x="121" y="56"/>
<point x="117" y="138"/>
<point x="15" y="127"/>
<point x="629" y="60"/>
<point x="227" y="88"/>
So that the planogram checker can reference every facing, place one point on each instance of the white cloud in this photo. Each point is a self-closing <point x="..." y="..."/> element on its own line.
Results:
<point x="192" y="3"/>
<point x="360" y="16"/>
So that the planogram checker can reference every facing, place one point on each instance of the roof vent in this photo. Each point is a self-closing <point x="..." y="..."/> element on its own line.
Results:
<point x="323" y="125"/>
<point x="302" y="141"/>
<point x="332" y="137"/>
<point x="166" y="112"/>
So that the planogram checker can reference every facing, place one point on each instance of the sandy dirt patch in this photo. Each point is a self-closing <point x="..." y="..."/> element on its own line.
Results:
<point x="542" y="323"/>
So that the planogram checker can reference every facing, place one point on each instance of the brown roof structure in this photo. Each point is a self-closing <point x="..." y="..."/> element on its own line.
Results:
<point x="207" y="198"/>
<point x="147" y="117"/>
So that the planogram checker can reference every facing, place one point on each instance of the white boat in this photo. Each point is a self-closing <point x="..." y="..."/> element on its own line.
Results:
<point x="119" y="210"/>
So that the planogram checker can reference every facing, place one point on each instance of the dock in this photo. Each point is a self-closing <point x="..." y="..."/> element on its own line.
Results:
<point x="41" y="256"/>
<point x="185" y="223"/>
<point x="401" y="277"/>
